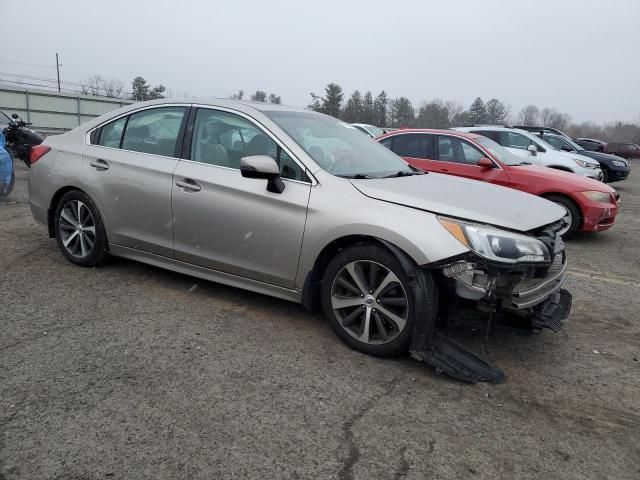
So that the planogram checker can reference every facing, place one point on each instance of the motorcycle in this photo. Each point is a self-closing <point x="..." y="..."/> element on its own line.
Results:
<point x="7" y="174"/>
<point x="19" y="138"/>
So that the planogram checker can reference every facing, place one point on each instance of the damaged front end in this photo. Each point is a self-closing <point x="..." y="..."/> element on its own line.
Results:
<point x="504" y="276"/>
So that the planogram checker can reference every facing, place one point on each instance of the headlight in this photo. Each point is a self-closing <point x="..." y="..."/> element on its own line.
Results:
<point x="496" y="244"/>
<point x="584" y="164"/>
<point x="600" y="197"/>
<point x="619" y="163"/>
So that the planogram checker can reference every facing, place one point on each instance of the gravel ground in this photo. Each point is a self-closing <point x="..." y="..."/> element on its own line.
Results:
<point x="128" y="371"/>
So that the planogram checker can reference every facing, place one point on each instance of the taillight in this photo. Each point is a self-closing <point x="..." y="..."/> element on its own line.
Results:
<point x="37" y="152"/>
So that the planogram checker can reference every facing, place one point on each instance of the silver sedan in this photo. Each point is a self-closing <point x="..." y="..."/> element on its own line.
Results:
<point x="297" y="205"/>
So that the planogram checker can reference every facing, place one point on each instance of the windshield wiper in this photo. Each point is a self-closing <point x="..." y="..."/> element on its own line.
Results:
<point x="523" y="163"/>
<point x="403" y="173"/>
<point x="356" y="176"/>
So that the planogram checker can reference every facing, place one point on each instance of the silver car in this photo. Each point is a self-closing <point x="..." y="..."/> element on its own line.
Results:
<point x="301" y="206"/>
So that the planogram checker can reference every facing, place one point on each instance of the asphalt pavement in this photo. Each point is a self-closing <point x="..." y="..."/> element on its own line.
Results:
<point x="128" y="372"/>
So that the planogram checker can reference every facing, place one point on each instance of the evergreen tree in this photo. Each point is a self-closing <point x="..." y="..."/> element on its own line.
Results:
<point x="478" y="111"/>
<point x="156" y="92"/>
<point x="380" y="109"/>
<point x="273" y="98"/>
<point x="353" y="109"/>
<point x="139" y="89"/>
<point x="367" y="108"/>
<point x="434" y="114"/>
<point x="402" y="112"/>
<point x="259" y="96"/>
<point x="496" y="112"/>
<point x="332" y="101"/>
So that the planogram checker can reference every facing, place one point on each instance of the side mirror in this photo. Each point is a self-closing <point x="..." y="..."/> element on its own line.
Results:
<point x="15" y="116"/>
<point x="265" y="167"/>
<point x="485" y="163"/>
<point x="566" y="148"/>
<point x="533" y="149"/>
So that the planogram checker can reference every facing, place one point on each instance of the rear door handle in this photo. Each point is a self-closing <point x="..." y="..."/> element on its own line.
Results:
<point x="99" y="164"/>
<point x="188" y="184"/>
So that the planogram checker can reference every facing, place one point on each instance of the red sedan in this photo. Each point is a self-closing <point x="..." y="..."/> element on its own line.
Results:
<point x="591" y="206"/>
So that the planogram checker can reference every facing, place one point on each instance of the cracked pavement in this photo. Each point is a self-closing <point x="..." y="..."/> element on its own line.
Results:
<point x="129" y="371"/>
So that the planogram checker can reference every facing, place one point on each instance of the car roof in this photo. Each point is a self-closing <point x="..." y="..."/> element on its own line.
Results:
<point x="456" y="133"/>
<point x="590" y="140"/>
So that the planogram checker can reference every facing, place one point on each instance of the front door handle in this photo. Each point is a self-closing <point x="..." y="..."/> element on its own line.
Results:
<point x="188" y="184"/>
<point x="99" y="164"/>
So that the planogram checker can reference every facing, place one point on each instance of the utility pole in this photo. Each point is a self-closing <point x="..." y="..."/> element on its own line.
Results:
<point x="58" y="70"/>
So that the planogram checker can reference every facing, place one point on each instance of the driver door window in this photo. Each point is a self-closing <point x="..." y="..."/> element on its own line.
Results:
<point x="222" y="139"/>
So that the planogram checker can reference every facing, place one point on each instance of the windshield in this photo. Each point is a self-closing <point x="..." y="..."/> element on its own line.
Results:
<point x="339" y="148"/>
<point x="499" y="152"/>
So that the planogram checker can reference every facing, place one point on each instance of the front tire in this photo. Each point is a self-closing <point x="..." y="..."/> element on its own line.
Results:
<point x="80" y="232"/>
<point x="605" y="175"/>
<point x="572" y="216"/>
<point x="368" y="301"/>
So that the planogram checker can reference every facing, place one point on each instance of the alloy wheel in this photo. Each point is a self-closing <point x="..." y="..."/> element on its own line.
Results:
<point x="77" y="229"/>
<point x="568" y="220"/>
<point x="370" y="302"/>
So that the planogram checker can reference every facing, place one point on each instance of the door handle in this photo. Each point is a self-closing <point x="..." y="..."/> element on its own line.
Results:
<point x="99" y="164"/>
<point x="445" y="170"/>
<point x="188" y="184"/>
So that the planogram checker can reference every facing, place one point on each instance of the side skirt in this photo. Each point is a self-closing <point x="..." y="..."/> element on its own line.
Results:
<point x="205" y="273"/>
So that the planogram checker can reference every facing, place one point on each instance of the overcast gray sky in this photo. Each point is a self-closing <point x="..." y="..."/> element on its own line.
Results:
<point x="581" y="57"/>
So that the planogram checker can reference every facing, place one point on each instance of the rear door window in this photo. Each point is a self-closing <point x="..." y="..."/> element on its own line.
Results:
<point x="111" y="133"/>
<point x="413" y="145"/>
<point x="154" y="131"/>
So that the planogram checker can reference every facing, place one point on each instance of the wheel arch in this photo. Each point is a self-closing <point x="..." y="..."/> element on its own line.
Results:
<point x="313" y="279"/>
<point x="566" y="196"/>
<point x="55" y="198"/>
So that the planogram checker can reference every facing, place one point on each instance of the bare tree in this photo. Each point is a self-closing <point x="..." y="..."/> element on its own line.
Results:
<point x="95" y="85"/>
<point x="545" y="116"/>
<point x="529" y="116"/>
<point x="113" y="88"/>
<point x="456" y="113"/>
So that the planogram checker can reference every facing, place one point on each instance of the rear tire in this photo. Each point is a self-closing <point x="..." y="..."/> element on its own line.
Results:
<point x="605" y="175"/>
<point x="80" y="233"/>
<point x="367" y="299"/>
<point x="572" y="217"/>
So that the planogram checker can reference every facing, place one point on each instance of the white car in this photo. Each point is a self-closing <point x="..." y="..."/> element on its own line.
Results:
<point x="536" y="151"/>
<point x="370" y="130"/>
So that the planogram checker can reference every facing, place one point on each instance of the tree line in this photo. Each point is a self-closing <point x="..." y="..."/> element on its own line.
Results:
<point x="399" y="112"/>
<point x="383" y="111"/>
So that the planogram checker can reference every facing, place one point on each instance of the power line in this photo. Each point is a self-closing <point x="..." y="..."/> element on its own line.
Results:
<point x="54" y="88"/>
<point x="49" y="80"/>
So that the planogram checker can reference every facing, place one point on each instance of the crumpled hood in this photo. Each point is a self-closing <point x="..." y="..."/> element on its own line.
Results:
<point x="466" y="199"/>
